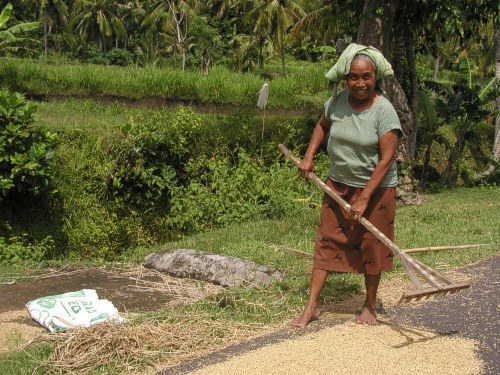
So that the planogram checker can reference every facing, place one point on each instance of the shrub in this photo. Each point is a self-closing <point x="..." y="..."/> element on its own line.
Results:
<point x="223" y="192"/>
<point x="18" y="249"/>
<point x="94" y="55"/>
<point x="120" y="57"/>
<point x="26" y="153"/>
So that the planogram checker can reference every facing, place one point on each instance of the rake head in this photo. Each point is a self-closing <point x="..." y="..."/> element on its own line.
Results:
<point x="427" y="293"/>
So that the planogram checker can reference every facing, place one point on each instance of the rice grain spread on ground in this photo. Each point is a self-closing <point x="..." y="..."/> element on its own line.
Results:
<point x="355" y="349"/>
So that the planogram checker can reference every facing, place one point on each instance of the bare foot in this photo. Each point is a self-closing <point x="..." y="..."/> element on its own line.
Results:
<point x="309" y="314"/>
<point x="367" y="316"/>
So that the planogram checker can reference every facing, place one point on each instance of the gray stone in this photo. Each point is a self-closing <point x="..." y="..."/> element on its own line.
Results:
<point x="408" y="197"/>
<point x="218" y="269"/>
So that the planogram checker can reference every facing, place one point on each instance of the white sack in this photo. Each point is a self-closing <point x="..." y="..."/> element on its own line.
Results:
<point x="73" y="309"/>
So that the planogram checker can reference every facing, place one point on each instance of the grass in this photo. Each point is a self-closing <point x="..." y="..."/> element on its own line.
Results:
<point x="26" y="361"/>
<point x="70" y="114"/>
<point x="455" y="217"/>
<point x="297" y="89"/>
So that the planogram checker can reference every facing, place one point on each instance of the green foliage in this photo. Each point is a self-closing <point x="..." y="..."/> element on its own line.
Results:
<point x="148" y="158"/>
<point x="208" y="47"/>
<point x="463" y="105"/>
<point x="120" y="57"/>
<point x="25" y="152"/>
<point x="10" y="34"/>
<point x="116" y="56"/>
<point x="18" y="249"/>
<point x="237" y="189"/>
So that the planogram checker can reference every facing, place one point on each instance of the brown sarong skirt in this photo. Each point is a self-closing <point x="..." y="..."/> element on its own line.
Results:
<point x="340" y="248"/>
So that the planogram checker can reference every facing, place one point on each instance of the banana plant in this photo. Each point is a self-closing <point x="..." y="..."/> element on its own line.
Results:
<point x="9" y="35"/>
<point x="464" y="105"/>
<point x="428" y="126"/>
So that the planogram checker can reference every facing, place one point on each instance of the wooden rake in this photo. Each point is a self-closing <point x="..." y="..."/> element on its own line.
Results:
<point x="426" y="281"/>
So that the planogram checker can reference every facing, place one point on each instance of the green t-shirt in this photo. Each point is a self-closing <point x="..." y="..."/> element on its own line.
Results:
<point x="353" y="141"/>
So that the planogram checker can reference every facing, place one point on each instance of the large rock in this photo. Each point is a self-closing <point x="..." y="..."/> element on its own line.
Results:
<point x="214" y="268"/>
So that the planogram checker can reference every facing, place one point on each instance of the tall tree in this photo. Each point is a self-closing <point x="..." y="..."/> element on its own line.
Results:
<point x="276" y="16"/>
<point x="10" y="34"/>
<point x="175" y="14"/>
<point x="395" y="27"/>
<point x="97" y="20"/>
<point x="55" y="11"/>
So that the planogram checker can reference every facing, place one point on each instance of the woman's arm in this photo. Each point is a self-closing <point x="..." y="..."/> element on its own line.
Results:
<point x="388" y="144"/>
<point x="320" y="131"/>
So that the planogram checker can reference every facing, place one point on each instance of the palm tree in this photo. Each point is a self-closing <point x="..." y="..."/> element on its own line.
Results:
<point x="97" y="20"/>
<point x="175" y="16"/>
<point x="55" y="10"/>
<point x="275" y="17"/>
<point x="336" y="19"/>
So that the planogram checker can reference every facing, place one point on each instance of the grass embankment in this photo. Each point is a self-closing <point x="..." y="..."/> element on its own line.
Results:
<point x="298" y="89"/>
<point x="456" y="217"/>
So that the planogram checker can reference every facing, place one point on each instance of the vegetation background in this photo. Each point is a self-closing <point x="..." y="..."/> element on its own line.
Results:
<point x="130" y="126"/>
<point x="196" y="153"/>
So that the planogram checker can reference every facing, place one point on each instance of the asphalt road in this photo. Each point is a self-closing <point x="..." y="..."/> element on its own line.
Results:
<point x="473" y="313"/>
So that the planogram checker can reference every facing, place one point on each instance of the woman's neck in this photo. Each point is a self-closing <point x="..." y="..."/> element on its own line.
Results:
<point x="361" y="105"/>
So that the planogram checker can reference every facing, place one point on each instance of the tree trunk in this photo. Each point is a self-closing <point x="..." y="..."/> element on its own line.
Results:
<point x="436" y="69"/>
<point x="183" y="52"/>
<point x="426" y="164"/>
<point x="452" y="170"/>
<point x="261" y="47"/>
<point x="376" y="29"/>
<point x="376" y="26"/>
<point x="496" y="144"/>
<point x="174" y="48"/>
<point x="399" y="57"/>
<point x="413" y="94"/>
<point x="282" y="50"/>
<point x="45" y="42"/>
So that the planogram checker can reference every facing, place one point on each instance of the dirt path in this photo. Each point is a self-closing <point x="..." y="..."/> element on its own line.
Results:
<point x="131" y="290"/>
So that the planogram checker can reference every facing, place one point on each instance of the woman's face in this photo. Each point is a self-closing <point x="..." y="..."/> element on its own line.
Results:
<point x="361" y="80"/>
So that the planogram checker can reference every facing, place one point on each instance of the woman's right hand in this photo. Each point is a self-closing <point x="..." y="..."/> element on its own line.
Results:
<point x="306" y="166"/>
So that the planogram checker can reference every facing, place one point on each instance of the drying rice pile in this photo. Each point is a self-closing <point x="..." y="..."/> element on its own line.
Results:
<point x="355" y="349"/>
<point x="127" y="347"/>
<point x="14" y="333"/>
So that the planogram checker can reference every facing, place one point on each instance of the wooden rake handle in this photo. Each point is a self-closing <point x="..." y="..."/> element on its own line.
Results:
<point x="346" y="206"/>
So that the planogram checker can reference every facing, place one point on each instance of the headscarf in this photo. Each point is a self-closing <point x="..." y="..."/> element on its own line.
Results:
<point x="342" y="67"/>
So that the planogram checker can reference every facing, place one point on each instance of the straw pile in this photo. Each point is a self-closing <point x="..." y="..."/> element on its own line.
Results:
<point x="181" y="291"/>
<point x="129" y="347"/>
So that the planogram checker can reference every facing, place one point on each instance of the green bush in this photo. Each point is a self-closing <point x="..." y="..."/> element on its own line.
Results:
<point x="223" y="191"/>
<point x="19" y="249"/>
<point x="120" y="57"/>
<point x="26" y="165"/>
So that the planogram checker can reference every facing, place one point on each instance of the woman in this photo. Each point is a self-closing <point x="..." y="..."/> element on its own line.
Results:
<point x="363" y="130"/>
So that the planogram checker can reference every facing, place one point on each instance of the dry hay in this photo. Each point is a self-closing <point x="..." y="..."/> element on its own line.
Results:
<point x="127" y="347"/>
<point x="358" y="349"/>
<point x="182" y="291"/>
